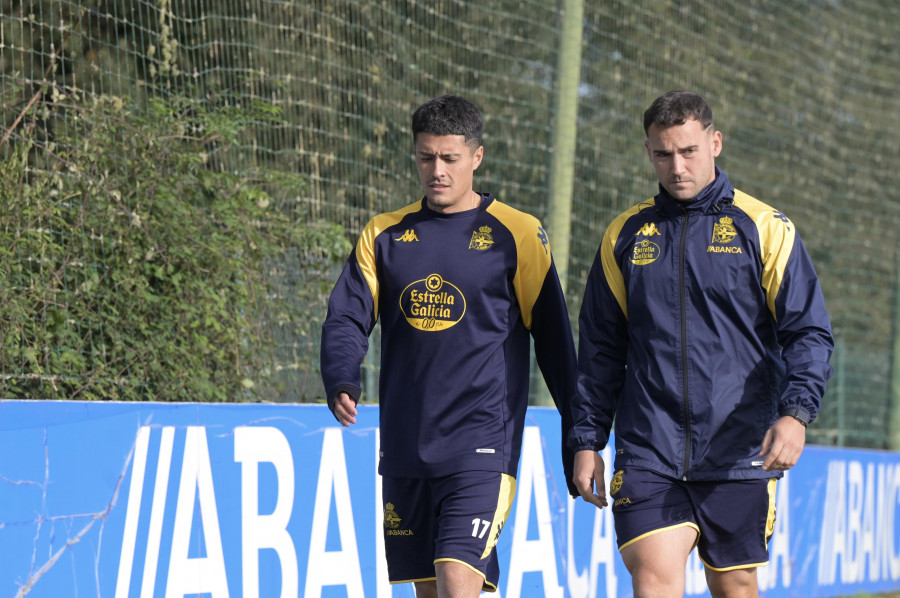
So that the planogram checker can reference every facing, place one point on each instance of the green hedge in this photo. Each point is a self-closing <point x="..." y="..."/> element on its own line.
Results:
<point x="139" y="258"/>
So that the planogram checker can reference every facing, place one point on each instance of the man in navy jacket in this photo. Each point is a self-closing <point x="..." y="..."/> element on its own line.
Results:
<point x="704" y="334"/>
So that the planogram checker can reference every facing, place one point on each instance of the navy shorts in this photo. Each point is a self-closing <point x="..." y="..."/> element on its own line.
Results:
<point x="734" y="518"/>
<point x="453" y="518"/>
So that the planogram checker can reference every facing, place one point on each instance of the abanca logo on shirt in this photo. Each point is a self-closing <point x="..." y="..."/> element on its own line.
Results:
<point x="432" y="303"/>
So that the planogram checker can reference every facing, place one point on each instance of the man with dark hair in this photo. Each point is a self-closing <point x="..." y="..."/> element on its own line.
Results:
<point x="459" y="281"/>
<point x="704" y="334"/>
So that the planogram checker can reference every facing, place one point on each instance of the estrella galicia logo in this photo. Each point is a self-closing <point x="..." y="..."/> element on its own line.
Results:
<point x="644" y="252"/>
<point x="432" y="303"/>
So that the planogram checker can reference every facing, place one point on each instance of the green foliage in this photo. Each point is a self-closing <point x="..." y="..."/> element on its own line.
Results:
<point x="139" y="254"/>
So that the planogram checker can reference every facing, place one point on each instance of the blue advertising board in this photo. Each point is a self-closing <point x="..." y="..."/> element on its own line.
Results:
<point x="169" y="500"/>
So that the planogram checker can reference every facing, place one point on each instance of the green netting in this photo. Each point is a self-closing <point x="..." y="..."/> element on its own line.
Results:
<point x="805" y="93"/>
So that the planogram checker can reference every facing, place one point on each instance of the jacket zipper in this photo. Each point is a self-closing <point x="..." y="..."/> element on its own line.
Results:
<point x="684" y="355"/>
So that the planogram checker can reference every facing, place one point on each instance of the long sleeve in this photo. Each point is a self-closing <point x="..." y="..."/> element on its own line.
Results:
<point x="352" y="310"/>
<point x="602" y="347"/>
<point x="802" y="323"/>
<point x="554" y="350"/>
<point x="546" y="316"/>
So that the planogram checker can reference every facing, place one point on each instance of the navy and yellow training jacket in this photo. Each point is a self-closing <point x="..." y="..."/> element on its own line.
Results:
<point x="457" y="296"/>
<point x="702" y="322"/>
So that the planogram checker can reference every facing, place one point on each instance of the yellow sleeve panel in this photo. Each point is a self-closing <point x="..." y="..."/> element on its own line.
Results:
<point x="365" y="247"/>
<point x="776" y="242"/>
<point x="611" y="271"/>
<point x="533" y="255"/>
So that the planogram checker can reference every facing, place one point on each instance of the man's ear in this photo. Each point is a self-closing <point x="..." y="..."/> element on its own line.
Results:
<point x="477" y="157"/>
<point x="716" y="143"/>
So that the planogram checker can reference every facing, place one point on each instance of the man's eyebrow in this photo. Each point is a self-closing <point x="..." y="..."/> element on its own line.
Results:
<point x="442" y="154"/>
<point x="666" y="152"/>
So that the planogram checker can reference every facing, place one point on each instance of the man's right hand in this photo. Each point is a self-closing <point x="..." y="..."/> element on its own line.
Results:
<point x="345" y="409"/>
<point x="587" y="474"/>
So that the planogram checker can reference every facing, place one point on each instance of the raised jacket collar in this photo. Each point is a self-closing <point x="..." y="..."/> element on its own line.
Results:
<point x="711" y="199"/>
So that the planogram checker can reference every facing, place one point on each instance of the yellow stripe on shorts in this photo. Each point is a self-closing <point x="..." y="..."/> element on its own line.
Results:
<point x="770" y="519"/>
<point x="504" y="506"/>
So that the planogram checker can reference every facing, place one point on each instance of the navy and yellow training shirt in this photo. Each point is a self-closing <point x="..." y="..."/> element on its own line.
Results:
<point x="457" y="296"/>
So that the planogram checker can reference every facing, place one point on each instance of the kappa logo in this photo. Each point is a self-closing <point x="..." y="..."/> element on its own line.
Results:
<point x="783" y="218"/>
<point x="545" y="240"/>
<point x="648" y="230"/>
<point x="408" y="236"/>
<point x="499" y="529"/>
<point x="481" y="239"/>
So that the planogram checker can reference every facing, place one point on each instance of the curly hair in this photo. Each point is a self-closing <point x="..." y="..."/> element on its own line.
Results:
<point x="449" y="115"/>
<point x="676" y="108"/>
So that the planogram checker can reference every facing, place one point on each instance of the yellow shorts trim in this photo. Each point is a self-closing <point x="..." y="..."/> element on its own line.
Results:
<point x="664" y="529"/>
<point x="747" y="566"/>
<point x="413" y="580"/>
<point x="485" y="584"/>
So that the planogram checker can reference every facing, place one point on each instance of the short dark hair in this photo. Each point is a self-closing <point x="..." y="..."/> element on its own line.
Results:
<point x="677" y="107"/>
<point x="449" y="115"/>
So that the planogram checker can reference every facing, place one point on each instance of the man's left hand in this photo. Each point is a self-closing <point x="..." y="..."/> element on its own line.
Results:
<point x="782" y="444"/>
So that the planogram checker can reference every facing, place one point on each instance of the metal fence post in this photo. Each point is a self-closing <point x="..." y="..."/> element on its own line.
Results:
<point x="562" y="157"/>
<point x="894" y="397"/>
